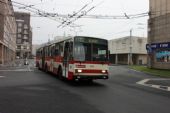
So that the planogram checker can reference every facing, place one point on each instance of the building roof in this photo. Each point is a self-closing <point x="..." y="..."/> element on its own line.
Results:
<point x="126" y="37"/>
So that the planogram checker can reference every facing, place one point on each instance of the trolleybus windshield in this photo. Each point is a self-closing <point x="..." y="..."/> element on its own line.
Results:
<point x="90" y="51"/>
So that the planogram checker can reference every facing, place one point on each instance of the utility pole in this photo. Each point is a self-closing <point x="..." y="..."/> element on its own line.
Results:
<point x="130" y="48"/>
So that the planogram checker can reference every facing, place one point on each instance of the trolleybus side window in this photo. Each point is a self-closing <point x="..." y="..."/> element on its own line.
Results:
<point x="61" y="48"/>
<point x="49" y="51"/>
<point x="66" y="53"/>
<point x="41" y="53"/>
<point x="38" y="53"/>
<point x="53" y="50"/>
<point x="57" y="49"/>
<point x="71" y="50"/>
<point x="46" y="51"/>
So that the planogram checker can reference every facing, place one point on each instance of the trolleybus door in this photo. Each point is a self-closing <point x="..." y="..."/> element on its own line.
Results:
<point x="65" y="59"/>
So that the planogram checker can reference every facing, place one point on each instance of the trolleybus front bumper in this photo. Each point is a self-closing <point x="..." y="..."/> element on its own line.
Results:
<point x="90" y="77"/>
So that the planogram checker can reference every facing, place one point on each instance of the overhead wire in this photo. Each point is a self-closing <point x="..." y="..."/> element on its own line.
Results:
<point x="86" y="16"/>
<point x="83" y="13"/>
<point x="68" y="19"/>
<point x="39" y="12"/>
<point x="35" y="10"/>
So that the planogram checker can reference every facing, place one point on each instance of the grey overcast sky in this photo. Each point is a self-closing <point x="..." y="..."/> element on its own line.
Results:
<point x="45" y="29"/>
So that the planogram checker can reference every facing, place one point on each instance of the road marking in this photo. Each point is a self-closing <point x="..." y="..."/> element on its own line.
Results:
<point x="159" y="79"/>
<point x="142" y="82"/>
<point x="155" y="86"/>
<point x="135" y="70"/>
<point x="2" y="76"/>
<point x="168" y="88"/>
<point x="160" y="87"/>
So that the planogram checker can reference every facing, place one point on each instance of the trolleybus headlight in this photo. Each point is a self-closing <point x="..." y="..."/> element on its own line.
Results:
<point x="78" y="70"/>
<point x="103" y="71"/>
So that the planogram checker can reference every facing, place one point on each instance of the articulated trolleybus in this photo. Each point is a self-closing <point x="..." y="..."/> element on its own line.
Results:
<point x="75" y="58"/>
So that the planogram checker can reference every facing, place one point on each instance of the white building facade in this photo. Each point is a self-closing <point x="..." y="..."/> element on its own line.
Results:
<point x="128" y="50"/>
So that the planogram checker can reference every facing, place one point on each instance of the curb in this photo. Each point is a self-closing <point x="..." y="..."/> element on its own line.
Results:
<point x="160" y="87"/>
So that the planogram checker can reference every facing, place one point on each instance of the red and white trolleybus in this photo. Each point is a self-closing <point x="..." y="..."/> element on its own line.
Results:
<point x="75" y="58"/>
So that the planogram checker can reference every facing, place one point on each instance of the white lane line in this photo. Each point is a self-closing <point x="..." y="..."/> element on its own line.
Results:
<point x="168" y="88"/>
<point x="2" y="76"/>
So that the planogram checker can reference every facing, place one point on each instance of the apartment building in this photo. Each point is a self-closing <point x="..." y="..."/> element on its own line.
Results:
<point x="158" y="46"/>
<point x="7" y="32"/>
<point x="128" y="50"/>
<point x="24" y="35"/>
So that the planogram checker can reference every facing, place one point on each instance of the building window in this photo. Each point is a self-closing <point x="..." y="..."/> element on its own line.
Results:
<point x="19" y="30"/>
<point x="25" y="47"/>
<point x="25" y="32"/>
<point x="19" y="24"/>
<point x="18" y="41"/>
<point x="28" y="47"/>
<point x="25" y="42"/>
<point x="18" y="54"/>
<point x="19" y="47"/>
<point x="19" y="35"/>
<point x="25" y="26"/>
<point x="25" y="37"/>
<point x="163" y="55"/>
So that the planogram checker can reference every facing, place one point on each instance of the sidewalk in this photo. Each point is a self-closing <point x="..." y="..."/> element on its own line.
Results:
<point x="18" y="63"/>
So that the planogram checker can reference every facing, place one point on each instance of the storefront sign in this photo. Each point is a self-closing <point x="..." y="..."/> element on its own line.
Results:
<point x="151" y="47"/>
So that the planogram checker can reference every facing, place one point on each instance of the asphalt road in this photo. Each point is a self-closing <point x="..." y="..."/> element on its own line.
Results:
<point x="34" y="91"/>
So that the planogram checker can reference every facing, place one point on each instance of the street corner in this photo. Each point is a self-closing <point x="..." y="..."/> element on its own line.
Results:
<point x="158" y="83"/>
